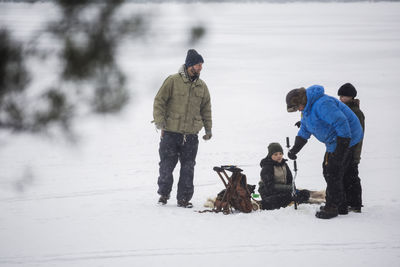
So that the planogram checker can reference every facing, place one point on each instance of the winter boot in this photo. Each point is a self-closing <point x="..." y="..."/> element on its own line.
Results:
<point x="184" y="204"/>
<point x="327" y="212"/>
<point x="302" y="196"/>
<point x="355" y="209"/>
<point x="341" y="210"/>
<point x="163" y="200"/>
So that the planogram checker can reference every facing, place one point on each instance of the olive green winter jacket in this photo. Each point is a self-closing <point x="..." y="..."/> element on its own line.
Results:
<point x="183" y="106"/>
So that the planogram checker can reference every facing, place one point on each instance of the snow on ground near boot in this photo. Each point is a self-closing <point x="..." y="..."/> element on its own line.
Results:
<point x="95" y="204"/>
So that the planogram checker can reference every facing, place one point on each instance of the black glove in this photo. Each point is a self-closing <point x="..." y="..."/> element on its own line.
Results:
<point x="291" y="155"/>
<point x="298" y="124"/>
<point x="299" y="142"/>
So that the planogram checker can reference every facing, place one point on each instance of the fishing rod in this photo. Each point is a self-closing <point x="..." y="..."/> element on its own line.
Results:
<point x="294" y="178"/>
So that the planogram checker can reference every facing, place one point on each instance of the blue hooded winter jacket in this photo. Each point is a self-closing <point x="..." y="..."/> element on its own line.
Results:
<point x="326" y="118"/>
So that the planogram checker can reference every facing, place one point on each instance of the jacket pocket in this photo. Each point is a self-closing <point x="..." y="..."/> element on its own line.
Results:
<point x="199" y="92"/>
<point x="198" y="96"/>
<point x="173" y="122"/>
<point x="197" y="123"/>
<point x="180" y="92"/>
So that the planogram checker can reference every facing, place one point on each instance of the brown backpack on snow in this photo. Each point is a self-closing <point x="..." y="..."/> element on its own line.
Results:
<point x="237" y="193"/>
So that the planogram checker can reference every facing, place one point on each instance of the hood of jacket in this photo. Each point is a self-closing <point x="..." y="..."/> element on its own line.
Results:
<point x="314" y="93"/>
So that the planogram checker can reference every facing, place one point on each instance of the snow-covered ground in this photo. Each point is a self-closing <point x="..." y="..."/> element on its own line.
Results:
<point x="94" y="204"/>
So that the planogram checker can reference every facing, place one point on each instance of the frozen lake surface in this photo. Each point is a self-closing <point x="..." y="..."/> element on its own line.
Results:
<point x="94" y="204"/>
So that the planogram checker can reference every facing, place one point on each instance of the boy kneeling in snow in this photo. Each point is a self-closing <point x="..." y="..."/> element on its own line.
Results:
<point x="275" y="186"/>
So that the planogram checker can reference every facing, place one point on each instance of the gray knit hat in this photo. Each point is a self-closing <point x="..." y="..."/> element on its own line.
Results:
<point x="273" y="148"/>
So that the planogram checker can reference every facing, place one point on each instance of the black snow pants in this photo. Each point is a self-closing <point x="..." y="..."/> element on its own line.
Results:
<point x="282" y="200"/>
<point x="343" y="184"/>
<point x="352" y="184"/>
<point x="174" y="147"/>
<point x="276" y="201"/>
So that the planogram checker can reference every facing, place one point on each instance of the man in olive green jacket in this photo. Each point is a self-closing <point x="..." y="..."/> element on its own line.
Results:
<point x="182" y="107"/>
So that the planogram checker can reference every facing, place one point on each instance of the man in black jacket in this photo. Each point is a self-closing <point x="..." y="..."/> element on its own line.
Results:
<point x="352" y="183"/>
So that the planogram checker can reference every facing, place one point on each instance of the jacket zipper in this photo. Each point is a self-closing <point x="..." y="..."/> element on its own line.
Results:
<point x="187" y="107"/>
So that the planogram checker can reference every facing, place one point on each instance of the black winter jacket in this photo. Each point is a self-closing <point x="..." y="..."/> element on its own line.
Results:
<point x="267" y="185"/>
<point x="354" y="105"/>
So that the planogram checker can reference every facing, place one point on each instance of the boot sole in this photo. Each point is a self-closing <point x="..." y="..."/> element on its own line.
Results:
<point x="323" y="216"/>
<point x="355" y="210"/>
<point x="340" y="212"/>
<point x="186" y="207"/>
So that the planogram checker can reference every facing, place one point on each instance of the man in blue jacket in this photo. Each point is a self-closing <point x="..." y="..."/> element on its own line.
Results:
<point x="335" y="125"/>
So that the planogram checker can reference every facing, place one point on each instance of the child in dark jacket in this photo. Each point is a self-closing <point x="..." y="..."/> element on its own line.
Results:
<point x="275" y="186"/>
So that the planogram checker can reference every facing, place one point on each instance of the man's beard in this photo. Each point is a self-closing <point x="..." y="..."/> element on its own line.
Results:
<point x="195" y="73"/>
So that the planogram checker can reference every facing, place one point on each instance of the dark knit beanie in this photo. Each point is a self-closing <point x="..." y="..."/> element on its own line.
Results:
<point x="273" y="148"/>
<point x="295" y="98"/>
<point x="193" y="58"/>
<point x="347" y="89"/>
